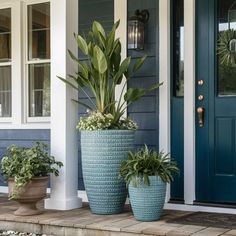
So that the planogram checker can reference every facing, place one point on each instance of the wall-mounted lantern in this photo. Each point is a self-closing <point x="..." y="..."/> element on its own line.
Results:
<point x="136" y="29"/>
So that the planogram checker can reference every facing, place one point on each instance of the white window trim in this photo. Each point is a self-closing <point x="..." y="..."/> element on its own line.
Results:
<point x="15" y="62"/>
<point x="27" y="118"/>
<point x="19" y="102"/>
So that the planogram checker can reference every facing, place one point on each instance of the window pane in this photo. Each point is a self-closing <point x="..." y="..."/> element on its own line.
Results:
<point x="178" y="47"/>
<point x="5" y="91"/>
<point x="39" y="31"/>
<point x="226" y="47"/>
<point x="5" y="35"/>
<point x="39" y="90"/>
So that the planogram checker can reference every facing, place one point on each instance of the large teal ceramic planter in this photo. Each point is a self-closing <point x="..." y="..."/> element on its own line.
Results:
<point x="148" y="201"/>
<point x="102" y="153"/>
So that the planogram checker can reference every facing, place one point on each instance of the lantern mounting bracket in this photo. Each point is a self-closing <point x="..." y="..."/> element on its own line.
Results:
<point x="142" y="15"/>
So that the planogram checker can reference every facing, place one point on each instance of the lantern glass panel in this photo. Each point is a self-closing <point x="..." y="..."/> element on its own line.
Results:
<point x="135" y="35"/>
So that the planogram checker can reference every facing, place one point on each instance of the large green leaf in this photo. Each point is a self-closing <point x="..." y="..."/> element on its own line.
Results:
<point x="83" y="69"/>
<point x="99" y="60"/>
<point x="139" y="63"/>
<point x="123" y="68"/>
<point x="134" y="94"/>
<point x="73" y="57"/>
<point x="97" y="28"/>
<point x="68" y="82"/>
<point x="116" y="57"/>
<point x="154" y="86"/>
<point x="82" y="44"/>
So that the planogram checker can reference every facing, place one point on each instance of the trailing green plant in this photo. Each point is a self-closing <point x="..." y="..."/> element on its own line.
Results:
<point x="144" y="163"/>
<point x="22" y="164"/>
<point x="103" y="70"/>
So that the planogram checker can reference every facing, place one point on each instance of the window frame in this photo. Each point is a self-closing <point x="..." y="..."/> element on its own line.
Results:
<point x="19" y="118"/>
<point x="6" y="5"/>
<point x="28" y="62"/>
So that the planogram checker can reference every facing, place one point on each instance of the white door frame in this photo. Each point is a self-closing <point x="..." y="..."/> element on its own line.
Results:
<point x="189" y="92"/>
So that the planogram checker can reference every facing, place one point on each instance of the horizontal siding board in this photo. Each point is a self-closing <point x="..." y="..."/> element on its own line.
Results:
<point x="141" y="4"/>
<point x="145" y="121"/>
<point x="148" y="68"/>
<point x="145" y="104"/>
<point x="149" y="50"/>
<point x="146" y="137"/>
<point x="24" y="134"/>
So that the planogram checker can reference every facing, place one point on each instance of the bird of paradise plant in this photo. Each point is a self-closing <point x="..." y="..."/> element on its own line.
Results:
<point x="103" y="71"/>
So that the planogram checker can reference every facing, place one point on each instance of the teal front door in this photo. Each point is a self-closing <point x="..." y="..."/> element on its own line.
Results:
<point x="216" y="101"/>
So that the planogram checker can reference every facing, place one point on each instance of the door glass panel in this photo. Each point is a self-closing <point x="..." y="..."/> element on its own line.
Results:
<point x="5" y="35"/>
<point x="178" y="47"/>
<point x="5" y="91"/>
<point x="39" y="89"/>
<point x="39" y="31"/>
<point x="226" y="48"/>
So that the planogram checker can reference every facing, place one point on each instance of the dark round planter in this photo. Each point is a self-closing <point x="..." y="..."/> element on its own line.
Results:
<point x="148" y="201"/>
<point x="32" y="193"/>
<point x="102" y="154"/>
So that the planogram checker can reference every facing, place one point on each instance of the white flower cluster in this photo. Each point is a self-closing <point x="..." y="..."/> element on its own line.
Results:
<point x="99" y="121"/>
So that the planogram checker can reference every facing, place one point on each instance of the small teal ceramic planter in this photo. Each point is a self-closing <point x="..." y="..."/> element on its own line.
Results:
<point x="148" y="201"/>
<point x="102" y="154"/>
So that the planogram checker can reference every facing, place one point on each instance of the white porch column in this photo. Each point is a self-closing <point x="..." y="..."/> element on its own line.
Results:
<point x="120" y="13"/>
<point x="64" y="140"/>
<point x="189" y="101"/>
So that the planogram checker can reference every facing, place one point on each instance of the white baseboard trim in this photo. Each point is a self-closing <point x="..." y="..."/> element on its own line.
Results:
<point x="195" y="208"/>
<point x="168" y="206"/>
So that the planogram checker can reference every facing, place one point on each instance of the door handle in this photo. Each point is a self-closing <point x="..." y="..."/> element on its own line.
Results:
<point x="200" y="111"/>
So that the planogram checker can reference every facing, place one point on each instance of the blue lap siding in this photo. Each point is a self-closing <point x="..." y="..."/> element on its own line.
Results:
<point x="145" y="112"/>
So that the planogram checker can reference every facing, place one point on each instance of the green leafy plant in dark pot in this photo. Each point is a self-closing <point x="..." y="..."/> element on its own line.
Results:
<point x="27" y="171"/>
<point x="106" y="136"/>
<point x="146" y="173"/>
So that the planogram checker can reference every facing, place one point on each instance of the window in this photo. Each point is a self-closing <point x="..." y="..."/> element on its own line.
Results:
<point x="178" y="48"/>
<point x="226" y="48"/>
<point x="25" y="64"/>
<point x="38" y="59"/>
<point x="5" y="62"/>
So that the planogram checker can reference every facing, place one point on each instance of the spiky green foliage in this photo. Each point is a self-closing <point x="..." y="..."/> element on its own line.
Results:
<point x="144" y="163"/>
<point x="22" y="164"/>
<point x="103" y="71"/>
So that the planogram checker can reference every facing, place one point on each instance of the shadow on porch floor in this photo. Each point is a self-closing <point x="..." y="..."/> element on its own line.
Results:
<point x="81" y="222"/>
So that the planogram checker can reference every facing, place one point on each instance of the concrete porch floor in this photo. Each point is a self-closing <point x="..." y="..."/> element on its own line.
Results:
<point x="81" y="222"/>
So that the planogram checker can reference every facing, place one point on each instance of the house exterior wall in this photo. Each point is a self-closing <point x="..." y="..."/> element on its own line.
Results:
<point x="146" y="111"/>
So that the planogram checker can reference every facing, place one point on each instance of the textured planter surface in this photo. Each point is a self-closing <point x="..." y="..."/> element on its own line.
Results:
<point x="34" y="191"/>
<point x="102" y="154"/>
<point x="148" y="201"/>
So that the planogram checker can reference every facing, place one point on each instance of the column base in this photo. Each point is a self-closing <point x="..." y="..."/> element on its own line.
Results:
<point x="63" y="204"/>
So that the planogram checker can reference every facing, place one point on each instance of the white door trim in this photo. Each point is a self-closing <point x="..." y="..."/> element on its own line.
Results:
<point x="164" y="76"/>
<point x="189" y="92"/>
<point x="189" y="101"/>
